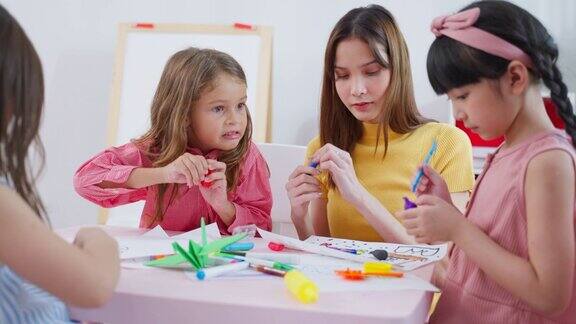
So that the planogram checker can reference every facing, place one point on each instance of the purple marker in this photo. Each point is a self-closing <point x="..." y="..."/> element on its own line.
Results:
<point x="353" y="251"/>
<point x="313" y="164"/>
<point x="408" y="204"/>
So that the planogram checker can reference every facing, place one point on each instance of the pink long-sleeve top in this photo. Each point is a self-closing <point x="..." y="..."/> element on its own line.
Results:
<point x="252" y="196"/>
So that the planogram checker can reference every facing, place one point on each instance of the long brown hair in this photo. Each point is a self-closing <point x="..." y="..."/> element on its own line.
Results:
<point x="187" y="74"/>
<point x="375" y="26"/>
<point x="21" y="101"/>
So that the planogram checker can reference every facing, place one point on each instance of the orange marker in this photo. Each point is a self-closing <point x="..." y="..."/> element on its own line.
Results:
<point x="385" y="274"/>
<point x="350" y="274"/>
<point x="160" y="256"/>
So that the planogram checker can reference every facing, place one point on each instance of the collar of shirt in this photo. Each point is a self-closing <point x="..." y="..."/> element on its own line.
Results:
<point x="212" y="155"/>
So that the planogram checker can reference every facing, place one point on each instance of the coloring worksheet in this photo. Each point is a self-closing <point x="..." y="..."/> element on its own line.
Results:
<point x="403" y="256"/>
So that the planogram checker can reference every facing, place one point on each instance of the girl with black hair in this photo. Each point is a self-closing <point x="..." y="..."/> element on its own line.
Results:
<point x="514" y="252"/>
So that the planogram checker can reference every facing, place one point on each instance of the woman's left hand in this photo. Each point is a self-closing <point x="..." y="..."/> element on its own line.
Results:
<point x="433" y="220"/>
<point x="213" y="188"/>
<point x="339" y="164"/>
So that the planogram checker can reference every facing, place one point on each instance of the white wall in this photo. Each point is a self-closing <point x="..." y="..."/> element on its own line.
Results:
<point x="76" y="40"/>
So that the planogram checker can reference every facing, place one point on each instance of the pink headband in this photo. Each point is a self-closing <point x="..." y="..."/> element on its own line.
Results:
<point x="459" y="27"/>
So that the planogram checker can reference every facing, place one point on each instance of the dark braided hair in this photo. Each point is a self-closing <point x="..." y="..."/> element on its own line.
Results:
<point x="451" y="64"/>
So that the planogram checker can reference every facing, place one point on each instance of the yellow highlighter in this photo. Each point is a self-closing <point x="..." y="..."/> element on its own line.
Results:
<point x="381" y="269"/>
<point x="377" y="267"/>
<point x="301" y="287"/>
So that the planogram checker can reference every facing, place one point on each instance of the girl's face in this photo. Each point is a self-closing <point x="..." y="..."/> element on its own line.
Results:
<point x="361" y="81"/>
<point x="219" y="117"/>
<point x="484" y="108"/>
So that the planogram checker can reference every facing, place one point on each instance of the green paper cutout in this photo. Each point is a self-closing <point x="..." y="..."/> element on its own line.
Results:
<point x="197" y="255"/>
<point x="194" y="249"/>
<point x="216" y="246"/>
<point x="180" y="250"/>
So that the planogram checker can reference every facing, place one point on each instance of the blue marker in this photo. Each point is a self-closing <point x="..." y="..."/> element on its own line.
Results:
<point x="427" y="159"/>
<point x="238" y="246"/>
<point x="313" y="164"/>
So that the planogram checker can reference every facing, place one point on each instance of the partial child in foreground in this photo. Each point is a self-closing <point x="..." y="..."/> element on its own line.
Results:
<point x="39" y="271"/>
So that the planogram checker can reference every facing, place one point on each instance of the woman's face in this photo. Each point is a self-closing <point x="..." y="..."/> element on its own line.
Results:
<point x="361" y="82"/>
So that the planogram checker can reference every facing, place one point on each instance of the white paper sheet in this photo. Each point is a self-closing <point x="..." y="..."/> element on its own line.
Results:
<point x="431" y="253"/>
<point x="319" y="245"/>
<point x="157" y="242"/>
<point x="156" y="232"/>
<point x="321" y="270"/>
<point x="312" y="248"/>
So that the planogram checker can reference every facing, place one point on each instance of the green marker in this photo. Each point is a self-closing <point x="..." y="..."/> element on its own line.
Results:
<point x="260" y="262"/>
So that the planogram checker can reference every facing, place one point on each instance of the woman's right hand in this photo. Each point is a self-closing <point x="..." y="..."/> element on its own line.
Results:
<point x="433" y="184"/>
<point x="302" y="187"/>
<point x="188" y="168"/>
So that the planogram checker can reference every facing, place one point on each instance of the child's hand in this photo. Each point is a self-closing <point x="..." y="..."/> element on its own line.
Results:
<point x="433" y="220"/>
<point x="90" y="238"/>
<point x="188" y="168"/>
<point x="431" y="183"/>
<point x="302" y="187"/>
<point x="214" y="186"/>
<point x="340" y="166"/>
